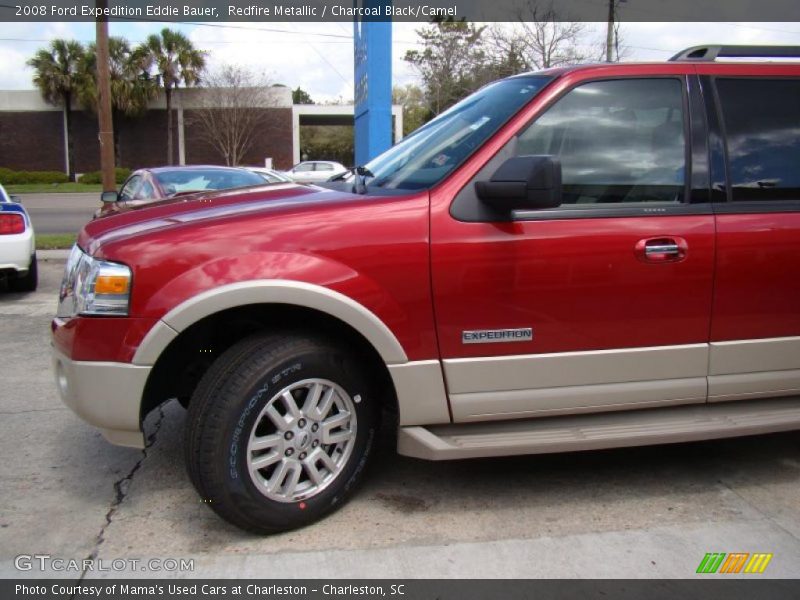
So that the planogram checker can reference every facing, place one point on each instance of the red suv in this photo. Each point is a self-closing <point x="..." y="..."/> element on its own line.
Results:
<point x="579" y="258"/>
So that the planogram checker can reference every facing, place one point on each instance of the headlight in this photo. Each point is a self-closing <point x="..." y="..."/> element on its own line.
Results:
<point x="93" y="287"/>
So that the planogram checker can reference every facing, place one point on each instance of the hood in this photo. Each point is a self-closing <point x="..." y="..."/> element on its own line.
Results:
<point x="207" y="206"/>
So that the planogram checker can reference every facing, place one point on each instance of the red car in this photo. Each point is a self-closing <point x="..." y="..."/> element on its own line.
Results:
<point x="149" y="185"/>
<point x="579" y="258"/>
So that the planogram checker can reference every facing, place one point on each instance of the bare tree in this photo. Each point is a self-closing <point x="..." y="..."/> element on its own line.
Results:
<point x="234" y="111"/>
<point x="540" y="40"/>
<point x="621" y="49"/>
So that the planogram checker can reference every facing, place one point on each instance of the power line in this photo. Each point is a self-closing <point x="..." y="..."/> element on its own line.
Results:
<point x="326" y="61"/>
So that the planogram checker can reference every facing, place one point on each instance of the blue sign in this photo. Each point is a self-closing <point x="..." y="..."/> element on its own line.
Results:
<point x="373" y="84"/>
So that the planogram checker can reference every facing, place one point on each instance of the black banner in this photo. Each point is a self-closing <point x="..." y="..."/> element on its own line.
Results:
<point x="401" y="589"/>
<point x="399" y="10"/>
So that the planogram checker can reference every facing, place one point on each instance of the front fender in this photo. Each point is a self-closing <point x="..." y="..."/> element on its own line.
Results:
<point x="239" y="281"/>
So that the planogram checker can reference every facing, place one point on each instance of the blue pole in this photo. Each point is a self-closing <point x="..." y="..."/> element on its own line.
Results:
<point x="373" y="86"/>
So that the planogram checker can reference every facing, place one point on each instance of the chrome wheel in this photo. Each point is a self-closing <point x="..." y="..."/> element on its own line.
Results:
<point x="301" y="440"/>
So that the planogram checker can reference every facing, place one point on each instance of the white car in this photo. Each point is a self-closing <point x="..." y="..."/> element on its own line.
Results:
<point x="269" y="175"/>
<point x="315" y="171"/>
<point x="17" y="245"/>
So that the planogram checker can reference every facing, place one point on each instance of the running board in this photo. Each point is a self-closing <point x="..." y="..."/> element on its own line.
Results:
<point x="596" y="431"/>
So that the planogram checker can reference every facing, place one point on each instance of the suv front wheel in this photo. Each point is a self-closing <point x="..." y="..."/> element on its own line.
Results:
<point x="279" y="431"/>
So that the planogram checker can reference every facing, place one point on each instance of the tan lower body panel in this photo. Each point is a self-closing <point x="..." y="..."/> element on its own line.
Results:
<point x="573" y="382"/>
<point x="421" y="397"/>
<point x="519" y="404"/>
<point x="749" y="369"/>
<point x="597" y="431"/>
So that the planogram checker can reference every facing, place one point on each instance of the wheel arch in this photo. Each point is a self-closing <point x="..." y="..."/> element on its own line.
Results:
<point x="271" y="291"/>
<point x="190" y="337"/>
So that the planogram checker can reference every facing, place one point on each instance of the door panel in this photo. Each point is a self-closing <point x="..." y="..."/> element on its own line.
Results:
<point x="755" y="326"/>
<point x="578" y="283"/>
<point x="634" y="273"/>
<point x="758" y="276"/>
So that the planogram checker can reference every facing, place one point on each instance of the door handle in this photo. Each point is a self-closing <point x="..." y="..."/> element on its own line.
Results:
<point x="661" y="250"/>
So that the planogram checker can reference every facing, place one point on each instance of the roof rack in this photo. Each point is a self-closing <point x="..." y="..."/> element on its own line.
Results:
<point x="713" y="52"/>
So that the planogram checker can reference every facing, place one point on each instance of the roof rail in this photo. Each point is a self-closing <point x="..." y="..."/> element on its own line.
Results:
<point x="714" y="51"/>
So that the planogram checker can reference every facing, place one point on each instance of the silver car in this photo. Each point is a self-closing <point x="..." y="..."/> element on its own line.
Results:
<point x="269" y="175"/>
<point x="315" y="171"/>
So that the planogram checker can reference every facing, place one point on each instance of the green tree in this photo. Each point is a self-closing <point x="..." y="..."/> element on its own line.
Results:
<point x="415" y="110"/>
<point x="130" y="91"/>
<point x="328" y="142"/>
<point x="57" y="75"/>
<point x="453" y="62"/>
<point x="300" y="96"/>
<point x="175" y="61"/>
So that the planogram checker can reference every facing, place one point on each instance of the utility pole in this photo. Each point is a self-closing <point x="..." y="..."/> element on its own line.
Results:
<point x="104" y="101"/>
<point x="610" y="32"/>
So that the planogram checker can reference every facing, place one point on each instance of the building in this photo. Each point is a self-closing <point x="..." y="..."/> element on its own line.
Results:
<point x="32" y="132"/>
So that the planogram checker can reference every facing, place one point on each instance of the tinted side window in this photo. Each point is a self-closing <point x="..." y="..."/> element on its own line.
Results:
<point x="145" y="192"/>
<point x="129" y="189"/>
<point x="762" y="124"/>
<point x="618" y="141"/>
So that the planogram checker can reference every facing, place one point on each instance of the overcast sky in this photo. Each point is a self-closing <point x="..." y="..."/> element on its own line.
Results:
<point x="319" y="56"/>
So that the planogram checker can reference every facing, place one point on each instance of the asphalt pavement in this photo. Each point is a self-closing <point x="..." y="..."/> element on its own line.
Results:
<point x="60" y="213"/>
<point x="631" y="513"/>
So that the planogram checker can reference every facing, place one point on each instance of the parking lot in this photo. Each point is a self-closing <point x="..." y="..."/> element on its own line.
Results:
<point x="648" y="512"/>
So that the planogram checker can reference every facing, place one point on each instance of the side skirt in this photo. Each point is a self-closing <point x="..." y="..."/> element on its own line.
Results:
<point x="597" y="431"/>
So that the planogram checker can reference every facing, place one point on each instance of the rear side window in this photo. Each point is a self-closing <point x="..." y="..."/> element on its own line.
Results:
<point x="324" y="167"/>
<point x="762" y="126"/>
<point x="618" y="141"/>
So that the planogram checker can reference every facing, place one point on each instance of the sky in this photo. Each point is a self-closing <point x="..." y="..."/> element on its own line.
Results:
<point x="319" y="56"/>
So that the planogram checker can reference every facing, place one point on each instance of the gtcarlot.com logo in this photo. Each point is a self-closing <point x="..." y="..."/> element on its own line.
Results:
<point x="735" y="562"/>
<point x="46" y="562"/>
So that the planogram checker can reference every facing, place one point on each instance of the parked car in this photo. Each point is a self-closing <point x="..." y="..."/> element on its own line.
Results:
<point x="573" y="259"/>
<point x="315" y="171"/>
<point x="18" y="263"/>
<point x="270" y="175"/>
<point x="145" y="186"/>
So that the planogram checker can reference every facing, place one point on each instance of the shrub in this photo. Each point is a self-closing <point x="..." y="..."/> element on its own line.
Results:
<point x="11" y="177"/>
<point x="120" y="175"/>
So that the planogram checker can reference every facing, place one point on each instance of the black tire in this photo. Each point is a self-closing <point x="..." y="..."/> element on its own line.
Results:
<point x="226" y="406"/>
<point x="30" y="281"/>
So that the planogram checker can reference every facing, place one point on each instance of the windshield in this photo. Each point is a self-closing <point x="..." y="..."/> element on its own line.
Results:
<point x="426" y="156"/>
<point x="197" y="180"/>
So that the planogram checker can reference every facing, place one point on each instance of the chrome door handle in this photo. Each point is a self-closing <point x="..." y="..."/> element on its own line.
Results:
<point x="670" y="249"/>
<point x="661" y="249"/>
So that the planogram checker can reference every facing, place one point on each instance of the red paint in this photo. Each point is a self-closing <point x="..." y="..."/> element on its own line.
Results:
<point x="757" y="285"/>
<point x="100" y="338"/>
<point x="577" y="283"/>
<point x="374" y="250"/>
<point x="581" y="284"/>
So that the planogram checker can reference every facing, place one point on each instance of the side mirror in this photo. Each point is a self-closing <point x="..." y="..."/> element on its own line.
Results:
<point x="523" y="182"/>
<point x="109" y="197"/>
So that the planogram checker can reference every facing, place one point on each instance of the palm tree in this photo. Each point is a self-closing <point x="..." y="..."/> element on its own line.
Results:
<point x="57" y="77"/>
<point x="130" y="91"/>
<point x="175" y="60"/>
